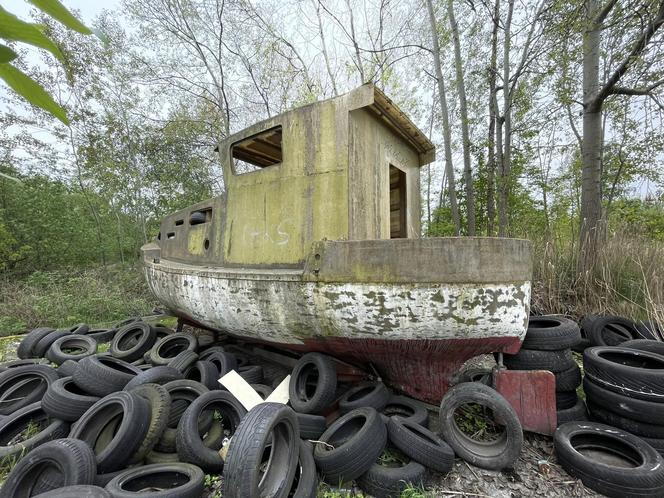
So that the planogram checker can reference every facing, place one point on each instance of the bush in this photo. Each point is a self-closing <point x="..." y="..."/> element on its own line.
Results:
<point x="64" y="297"/>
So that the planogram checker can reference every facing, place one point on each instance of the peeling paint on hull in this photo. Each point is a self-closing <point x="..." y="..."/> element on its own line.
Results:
<point x="416" y="335"/>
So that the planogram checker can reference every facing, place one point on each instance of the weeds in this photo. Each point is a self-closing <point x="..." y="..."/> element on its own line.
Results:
<point x="63" y="297"/>
<point x="627" y="279"/>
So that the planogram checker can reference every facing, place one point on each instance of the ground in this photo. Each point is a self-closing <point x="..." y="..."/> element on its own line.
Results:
<point x="536" y="473"/>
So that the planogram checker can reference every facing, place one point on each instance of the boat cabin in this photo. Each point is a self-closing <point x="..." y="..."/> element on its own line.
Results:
<point x="347" y="168"/>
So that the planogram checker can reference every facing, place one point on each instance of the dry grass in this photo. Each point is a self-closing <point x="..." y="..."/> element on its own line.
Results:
<point x="627" y="280"/>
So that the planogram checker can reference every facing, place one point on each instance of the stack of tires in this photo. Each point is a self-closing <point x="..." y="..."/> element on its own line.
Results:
<point x="624" y="388"/>
<point x="547" y="346"/>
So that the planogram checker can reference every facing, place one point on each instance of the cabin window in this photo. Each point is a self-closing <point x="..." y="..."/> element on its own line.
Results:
<point x="397" y="203"/>
<point x="257" y="152"/>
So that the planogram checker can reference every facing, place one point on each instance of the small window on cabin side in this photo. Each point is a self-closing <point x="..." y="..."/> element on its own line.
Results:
<point x="398" y="203"/>
<point x="257" y="152"/>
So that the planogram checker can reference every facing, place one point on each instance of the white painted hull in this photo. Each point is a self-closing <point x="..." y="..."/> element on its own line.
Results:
<point x="278" y="306"/>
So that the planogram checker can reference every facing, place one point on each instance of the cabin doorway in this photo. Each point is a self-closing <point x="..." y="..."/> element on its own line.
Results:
<point x="398" y="218"/>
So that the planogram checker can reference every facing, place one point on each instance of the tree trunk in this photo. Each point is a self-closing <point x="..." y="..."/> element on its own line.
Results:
<point x="493" y="117"/>
<point x="447" y="134"/>
<point x="463" y="108"/>
<point x="505" y="164"/>
<point x="591" y="175"/>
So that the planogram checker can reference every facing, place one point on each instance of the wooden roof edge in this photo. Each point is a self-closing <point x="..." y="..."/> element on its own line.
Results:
<point x="368" y="95"/>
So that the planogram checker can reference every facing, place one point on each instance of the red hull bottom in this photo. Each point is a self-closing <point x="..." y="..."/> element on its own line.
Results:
<point x="421" y="368"/>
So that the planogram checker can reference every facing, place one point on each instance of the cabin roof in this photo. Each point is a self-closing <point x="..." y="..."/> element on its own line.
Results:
<point x="366" y="96"/>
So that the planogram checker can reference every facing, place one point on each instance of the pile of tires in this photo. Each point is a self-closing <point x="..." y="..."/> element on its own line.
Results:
<point x="611" y="330"/>
<point x="624" y="388"/>
<point x="147" y="415"/>
<point x="547" y="346"/>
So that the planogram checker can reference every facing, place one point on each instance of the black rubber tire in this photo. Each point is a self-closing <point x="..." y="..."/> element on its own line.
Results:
<point x="316" y="371"/>
<point x="266" y="424"/>
<point x="407" y="409"/>
<point x="565" y="399"/>
<point x="67" y="369"/>
<point x="14" y="424"/>
<point x="382" y="481"/>
<point x="357" y="439"/>
<point x="610" y="330"/>
<point x="183" y="393"/>
<point x="55" y="464"/>
<point x="114" y="427"/>
<point x="103" y="375"/>
<point x="102" y="335"/>
<point x="569" y="379"/>
<point x="159" y="457"/>
<point x="551" y="334"/>
<point x="497" y="455"/>
<point x="205" y="373"/>
<point x="657" y="444"/>
<point x="224" y="362"/>
<point x="253" y="374"/>
<point x="311" y="426"/>
<point x="190" y="445"/>
<point x="127" y="321"/>
<point x="6" y="365"/>
<point x="366" y="394"/>
<point x="173" y="480"/>
<point x="641" y="429"/>
<point x="634" y="373"/>
<point x="183" y="360"/>
<point x="65" y="400"/>
<point x="160" y="406"/>
<point x="22" y="386"/>
<point x="305" y="482"/>
<point x="132" y="341"/>
<point x="45" y="343"/>
<point x="155" y="375"/>
<point x="483" y="375"/>
<point x="581" y="346"/>
<point x="645" y="345"/>
<point x="26" y="347"/>
<point x="420" y="444"/>
<point x="81" y="491"/>
<point x="167" y="348"/>
<point x="576" y="413"/>
<point x="83" y="342"/>
<point x="528" y="359"/>
<point x="641" y="478"/>
<point x="78" y="329"/>
<point x="636" y="409"/>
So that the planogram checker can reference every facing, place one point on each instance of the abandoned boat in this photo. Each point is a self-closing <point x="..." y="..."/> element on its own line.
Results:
<point x="315" y="246"/>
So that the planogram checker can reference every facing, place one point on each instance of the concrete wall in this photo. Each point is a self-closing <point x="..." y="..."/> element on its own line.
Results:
<point x="372" y="148"/>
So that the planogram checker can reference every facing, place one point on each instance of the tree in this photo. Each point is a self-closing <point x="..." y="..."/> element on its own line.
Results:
<point x="594" y="97"/>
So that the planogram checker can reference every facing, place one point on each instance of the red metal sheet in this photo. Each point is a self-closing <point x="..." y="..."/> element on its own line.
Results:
<point x="532" y="394"/>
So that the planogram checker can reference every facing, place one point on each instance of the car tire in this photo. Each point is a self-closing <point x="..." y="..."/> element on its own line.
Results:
<point x="317" y="371"/>
<point x="47" y="341"/>
<point x="183" y="393"/>
<point x="253" y="374"/>
<point x="565" y="399"/>
<point x="86" y="344"/>
<point x="183" y="360"/>
<point x="528" y="359"/>
<point x="266" y="424"/>
<point x="22" y="386"/>
<point x="26" y="346"/>
<point x="205" y="373"/>
<point x="132" y="341"/>
<point x="55" y="464"/>
<point x="175" y="480"/>
<point x="191" y="447"/>
<point x="576" y="413"/>
<point x="551" y="334"/>
<point x="168" y="347"/>
<point x="642" y="429"/>
<point x="407" y="409"/>
<point x="305" y="483"/>
<point x="14" y="424"/>
<point x="160" y="405"/>
<point x="103" y="375"/>
<point x="568" y="380"/>
<point x="382" y="481"/>
<point x="496" y="455"/>
<point x="162" y="374"/>
<point x="634" y="373"/>
<point x="351" y="454"/>
<point x="644" y="477"/>
<point x="65" y="400"/>
<point x="420" y="444"/>
<point x="121" y="441"/>
<point x="80" y="491"/>
<point x="645" y="345"/>
<point x="311" y="426"/>
<point x="635" y="409"/>
<point x="610" y="330"/>
<point x="366" y="394"/>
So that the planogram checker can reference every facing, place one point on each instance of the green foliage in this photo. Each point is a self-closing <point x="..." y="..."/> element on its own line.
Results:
<point x="72" y="295"/>
<point x="638" y="217"/>
<point x="14" y="29"/>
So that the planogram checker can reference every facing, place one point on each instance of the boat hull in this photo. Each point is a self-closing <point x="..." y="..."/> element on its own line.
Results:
<point x="416" y="335"/>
